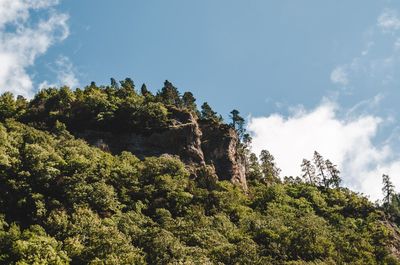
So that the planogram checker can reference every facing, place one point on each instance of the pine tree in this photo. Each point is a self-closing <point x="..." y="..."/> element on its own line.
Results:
<point x="143" y="90"/>
<point x="237" y="122"/>
<point x="170" y="95"/>
<point x="128" y="84"/>
<point x="334" y="173"/>
<point x="253" y="170"/>
<point x="308" y="170"/>
<point x="146" y="93"/>
<point x="127" y="88"/>
<point x="320" y="168"/>
<point x="269" y="167"/>
<point x="189" y="101"/>
<point x="388" y="190"/>
<point x="114" y="83"/>
<point x="207" y="113"/>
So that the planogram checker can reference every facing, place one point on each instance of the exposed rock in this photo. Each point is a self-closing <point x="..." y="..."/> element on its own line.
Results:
<point x="194" y="143"/>
<point x="219" y="147"/>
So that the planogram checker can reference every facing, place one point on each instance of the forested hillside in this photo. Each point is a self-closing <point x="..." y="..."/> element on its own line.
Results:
<point x="91" y="176"/>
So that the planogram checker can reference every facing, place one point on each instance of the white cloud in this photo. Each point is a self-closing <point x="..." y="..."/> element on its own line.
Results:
<point x="389" y="20"/>
<point x="65" y="72"/>
<point x="339" y="76"/>
<point x="376" y="64"/>
<point x="27" y="40"/>
<point x="347" y="141"/>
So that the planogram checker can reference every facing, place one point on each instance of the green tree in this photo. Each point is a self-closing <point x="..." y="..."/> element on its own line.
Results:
<point x="321" y="168"/>
<point x="237" y="122"/>
<point x="308" y="170"/>
<point x="189" y="101"/>
<point x="268" y="167"/>
<point x="334" y="173"/>
<point x="144" y="91"/>
<point x="254" y="172"/>
<point x="207" y="113"/>
<point x="170" y="95"/>
<point x="11" y="108"/>
<point x="387" y="189"/>
<point x="127" y="84"/>
<point x="114" y="83"/>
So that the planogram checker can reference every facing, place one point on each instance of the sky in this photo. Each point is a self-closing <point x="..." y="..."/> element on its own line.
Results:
<point x="307" y="74"/>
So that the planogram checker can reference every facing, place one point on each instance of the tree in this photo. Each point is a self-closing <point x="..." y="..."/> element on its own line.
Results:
<point x="189" y="101"/>
<point x="321" y="167"/>
<point x="237" y="122"/>
<point x="388" y="190"/>
<point x="144" y="91"/>
<point x="127" y="88"/>
<point x="334" y="173"/>
<point x="128" y="84"/>
<point x="170" y="95"/>
<point x="114" y="83"/>
<point x="268" y="167"/>
<point x="207" y="112"/>
<point x="253" y="168"/>
<point x="7" y="106"/>
<point x="11" y="108"/>
<point x="149" y="97"/>
<point x="308" y="170"/>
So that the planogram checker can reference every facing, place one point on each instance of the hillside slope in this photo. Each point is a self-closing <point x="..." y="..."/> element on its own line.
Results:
<point x="152" y="181"/>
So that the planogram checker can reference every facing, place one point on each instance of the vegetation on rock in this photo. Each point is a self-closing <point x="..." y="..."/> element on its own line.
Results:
<point x="65" y="202"/>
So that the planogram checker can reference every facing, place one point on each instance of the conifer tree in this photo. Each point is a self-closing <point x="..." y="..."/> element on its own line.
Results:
<point x="320" y="168"/>
<point x="144" y="91"/>
<point x="114" y="83"/>
<point x="308" y="170"/>
<point x="334" y="173"/>
<point x="127" y="88"/>
<point x="128" y="84"/>
<point x="269" y="167"/>
<point x="253" y="170"/>
<point x="237" y="122"/>
<point x="170" y="95"/>
<point x="388" y="190"/>
<point x="189" y="101"/>
<point x="207" y="113"/>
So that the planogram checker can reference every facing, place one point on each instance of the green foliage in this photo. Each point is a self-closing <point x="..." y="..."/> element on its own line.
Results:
<point x="208" y="114"/>
<point x="64" y="202"/>
<point x="10" y="107"/>
<point x="170" y="95"/>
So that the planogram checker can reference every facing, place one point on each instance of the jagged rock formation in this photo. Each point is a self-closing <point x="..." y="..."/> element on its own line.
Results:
<point x="219" y="147"/>
<point x="193" y="141"/>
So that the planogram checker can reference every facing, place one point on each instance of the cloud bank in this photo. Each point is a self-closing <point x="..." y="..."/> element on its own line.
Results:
<point x="348" y="141"/>
<point x="22" y="40"/>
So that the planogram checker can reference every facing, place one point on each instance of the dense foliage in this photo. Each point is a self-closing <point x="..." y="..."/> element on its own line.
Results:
<point x="64" y="202"/>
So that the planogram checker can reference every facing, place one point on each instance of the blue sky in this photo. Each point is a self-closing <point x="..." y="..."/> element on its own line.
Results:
<point x="286" y="65"/>
<point x="234" y="54"/>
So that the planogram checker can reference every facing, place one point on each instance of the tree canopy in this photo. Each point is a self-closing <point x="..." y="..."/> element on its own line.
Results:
<point x="63" y="201"/>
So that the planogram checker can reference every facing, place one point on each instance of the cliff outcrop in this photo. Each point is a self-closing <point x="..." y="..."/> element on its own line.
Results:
<point x="195" y="142"/>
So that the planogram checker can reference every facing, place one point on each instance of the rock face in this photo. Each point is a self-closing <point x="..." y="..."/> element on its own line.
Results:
<point x="194" y="143"/>
<point x="219" y="146"/>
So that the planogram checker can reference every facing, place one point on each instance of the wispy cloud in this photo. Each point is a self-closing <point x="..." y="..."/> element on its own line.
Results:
<point x="378" y="60"/>
<point x="339" y="76"/>
<point x="27" y="39"/>
<point x="389" y="20"/>
<point x="65" y="72"/>
<point x="347" y="140"/>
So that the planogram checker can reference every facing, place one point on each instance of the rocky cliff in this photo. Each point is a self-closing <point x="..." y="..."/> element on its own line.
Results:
<point x="195" y="142"/>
